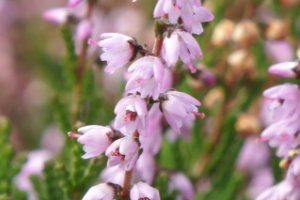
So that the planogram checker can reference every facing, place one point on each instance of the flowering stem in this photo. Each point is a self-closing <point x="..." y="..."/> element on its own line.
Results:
<point x="126" y="185"/>
<point x="81" y="68"/>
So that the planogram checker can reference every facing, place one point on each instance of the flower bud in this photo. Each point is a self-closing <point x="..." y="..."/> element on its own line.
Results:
<point x="101" y="191"/>
<point x="242" y="62"/>
<point x="213" y="96"/>
<point x="223" y="32"/>
<point x="245" y="33"/>
<point x="247" y="125"/>
<point x="277" y="29"/>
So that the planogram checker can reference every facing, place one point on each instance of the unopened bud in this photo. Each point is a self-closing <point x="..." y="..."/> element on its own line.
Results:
<point x="277" y="29"/>
<point x="284" y="163"/>
<point x="245" y="33"/>
<point x="247" y="125"/>
<point x="223" y="32"/>
<point x="242" y="62"/>
<point x="213" y="96"/>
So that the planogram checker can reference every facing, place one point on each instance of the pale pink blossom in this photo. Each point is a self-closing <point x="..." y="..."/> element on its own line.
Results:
<point x="131" y="114"/>
<point x="285" y="69"/>
<point x="249" y="159"/>
<point x="284" y="107"/>
<point x="179" y="182"/>
<point x="181" y="45"/>
<point x="279" y="50"/>
<point x="146" y="77"/>
<point x="152" y="137"/>
<point x="261" y="180"/>
<point x="83" y="32"/>
<point x="74" y="3"/>
<point x="113" y="175"/>
<point x="143" y="191"/>
<point x="95" y="139"/>
<point x="191" y="12"/>
<point x="145" y="166"/>
<point x="179" y="108"/>
<point x="56" y="15"/>
<point x="282" y="100"/>
<point x="282" y="191"/>
<point x="33" y="166"/>
<point x="117" y="50"/>
<point x="101" y="191"/>
<point x="293" y="173"/>
<point x="123" y="152"/>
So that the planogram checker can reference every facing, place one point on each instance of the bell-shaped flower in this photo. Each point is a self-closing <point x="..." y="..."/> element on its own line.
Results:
<point x="152" y="137"/>
<point x="145" y="166"/>
<point x="123" y="152"/>
<point x="285" y="69"/>
<point x="283" y="100"/>
<point x="146" y="77"/>
<point x="144" y="191"/>
<point x="56" y="15"/>
<point x="33" y="166"/>
<point x="251" y="161"/>
<point x="191" y="12"/>
<point x="101" y="191"/>
<point x="113" y="175"/>
<point x="95" y="139"/>
<point x="282" y="191"/>
<point x="131" y="113"/>
<point x="179" y="108"/>
<point x="179" y="182"/>
<point x="181" y="45"/>
<point x="117" y="48"/>
<point x="83" y="31"/>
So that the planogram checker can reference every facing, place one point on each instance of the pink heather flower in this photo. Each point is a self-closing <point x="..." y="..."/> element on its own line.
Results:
<point x="261" y="180"/>
<point x="117" y="50"/>
<point x="179" y="182"/>
<point x="284" y="108"/>
<point x="143" y="191"/>
<point x="52" y="140"/>
<point x="279" y="51"/>
<point x="123" y="152"/>
<point x="249" y="159"/>
<point x="95" y="139"/>
<point x="131" y="114"/>
<point x="146" y="166"/>
<point x="113" y="175"/>
<point x="190" y="11"/>
<point x="181" y="45"/>
<point x="56" y="15"/>
<point x="293" y="174"/>
<point x="33" y="166"/>
<point x="83" y="31"/>
<point x="282" y="191"/>
<point x="282" y="100"/>
<point x="74" y="3"/>
<point x="146" y="77"/>
<point x="101" y="191"/>
<point x="179" y="108"/>
<point x="151" y="140"/>
<point x="285" y="69"/>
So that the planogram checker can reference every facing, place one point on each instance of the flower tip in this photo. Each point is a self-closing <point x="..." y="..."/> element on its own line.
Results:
<point x="92" y="41"/>
<point x="73" y="135"/>
<point x="199" y="114"/>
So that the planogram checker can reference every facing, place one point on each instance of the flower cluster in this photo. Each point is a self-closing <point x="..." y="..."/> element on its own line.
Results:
<point x="283" y="103"/>
<point x="148" y="98"/>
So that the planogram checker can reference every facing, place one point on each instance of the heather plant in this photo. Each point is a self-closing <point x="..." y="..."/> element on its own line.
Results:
<point x="162" y="99"/>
